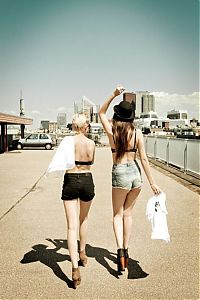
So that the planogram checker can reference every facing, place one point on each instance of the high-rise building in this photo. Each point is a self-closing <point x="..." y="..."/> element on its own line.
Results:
<point x="78" y="108"/>
<point x="130" y="97"/>
<point x="145" y="102"/>
<point x="45" y="124"/>
<point x="89" y="108"/>
<point x="53" y="126"/>
<point x="148" y="103"/>
<point x="62" y="120"/>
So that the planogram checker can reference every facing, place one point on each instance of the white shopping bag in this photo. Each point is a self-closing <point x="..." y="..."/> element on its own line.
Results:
<point x="156" y="212"/>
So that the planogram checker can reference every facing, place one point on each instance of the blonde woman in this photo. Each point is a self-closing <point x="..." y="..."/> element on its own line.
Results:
<point x="76" y="155"/>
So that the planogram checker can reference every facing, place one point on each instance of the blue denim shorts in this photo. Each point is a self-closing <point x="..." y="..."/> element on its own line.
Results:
<point x="127" y="175"/>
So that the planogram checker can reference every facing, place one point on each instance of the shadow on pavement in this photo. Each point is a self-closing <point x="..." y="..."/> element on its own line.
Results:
<point x="100" y="255"/>
<point x="50" y="258"/>
<point x="134" y="270"/>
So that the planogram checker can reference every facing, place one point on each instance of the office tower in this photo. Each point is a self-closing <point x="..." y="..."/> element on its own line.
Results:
<point x="130" y="97"/>
<point x="53" y="126"/>
<point x="61" y="120"/>
<point x="148" y="103"/>
<point x="145" y="102"/>
<point x="87" y="107"/>
<point x="45" y="124"/>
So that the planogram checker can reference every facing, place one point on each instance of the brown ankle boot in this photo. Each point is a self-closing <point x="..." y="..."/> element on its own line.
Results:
<point x="126" y="257"/>
<point x="120" y="260"/>
<point x="83" y="258"/>
<point x="76" y="276"/>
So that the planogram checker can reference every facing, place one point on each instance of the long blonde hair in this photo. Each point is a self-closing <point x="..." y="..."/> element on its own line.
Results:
<point x="122" y="134"/>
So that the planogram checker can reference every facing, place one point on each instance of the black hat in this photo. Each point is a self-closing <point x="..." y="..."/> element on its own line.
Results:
<point x="124" y="112"/>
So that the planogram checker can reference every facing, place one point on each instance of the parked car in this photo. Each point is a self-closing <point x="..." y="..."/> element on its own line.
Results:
<point x="35" y="140"/>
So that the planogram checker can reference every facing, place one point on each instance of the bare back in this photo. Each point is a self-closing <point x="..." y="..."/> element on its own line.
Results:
<point x="84" y="152"/>
<point x="128" y="156"/>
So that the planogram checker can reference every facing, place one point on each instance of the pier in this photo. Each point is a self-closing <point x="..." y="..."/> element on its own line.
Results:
<point x="35" y="262"/>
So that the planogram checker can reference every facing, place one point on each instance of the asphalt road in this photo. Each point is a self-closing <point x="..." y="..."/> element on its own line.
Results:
<point x="34" y="256"/>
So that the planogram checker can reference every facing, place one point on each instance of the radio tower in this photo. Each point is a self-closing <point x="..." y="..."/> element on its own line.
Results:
<point x="21" y="110"/>
<point x="21" y="104"/>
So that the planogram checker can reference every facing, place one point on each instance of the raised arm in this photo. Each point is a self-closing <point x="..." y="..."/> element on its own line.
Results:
<point x="102" y="112"/>
<point x="145" y="164"/>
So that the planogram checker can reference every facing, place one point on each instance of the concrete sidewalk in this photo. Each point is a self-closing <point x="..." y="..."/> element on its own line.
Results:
<point x="34" y="256"/>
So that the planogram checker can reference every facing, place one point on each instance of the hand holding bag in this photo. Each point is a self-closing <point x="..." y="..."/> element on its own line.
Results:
<point x="157" y="213"/>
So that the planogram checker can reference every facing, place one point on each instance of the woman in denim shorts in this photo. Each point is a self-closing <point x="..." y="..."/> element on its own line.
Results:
<point x="125" y="140"/>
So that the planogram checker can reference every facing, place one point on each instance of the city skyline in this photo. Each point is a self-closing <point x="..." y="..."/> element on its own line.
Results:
<point x="59" y="51"/>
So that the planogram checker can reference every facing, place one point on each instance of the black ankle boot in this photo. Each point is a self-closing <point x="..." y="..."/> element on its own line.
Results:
<point x="120" y="260"/>
<point x="126" y="257"/>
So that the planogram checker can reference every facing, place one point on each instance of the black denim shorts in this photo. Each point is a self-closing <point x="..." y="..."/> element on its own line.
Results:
<point x="78" y="185"/>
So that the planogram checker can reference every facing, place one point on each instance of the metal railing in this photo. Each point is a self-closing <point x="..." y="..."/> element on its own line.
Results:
<point x="181" y="153"/>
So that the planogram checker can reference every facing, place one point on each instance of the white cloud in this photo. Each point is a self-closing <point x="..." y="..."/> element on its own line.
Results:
<point x="35" y="112"/>
<point x="13" y="112"/>
<point x="166" y="102"/>
<point x="61" y="109"/>
<point x="160" y="94"/>
<point x="10" y="112"/>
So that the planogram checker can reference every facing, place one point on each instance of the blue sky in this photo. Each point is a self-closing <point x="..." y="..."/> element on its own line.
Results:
<point x="59" y="50"/>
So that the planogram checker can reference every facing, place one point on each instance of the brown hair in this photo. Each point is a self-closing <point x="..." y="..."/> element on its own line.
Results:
<point x="121" y="137"/>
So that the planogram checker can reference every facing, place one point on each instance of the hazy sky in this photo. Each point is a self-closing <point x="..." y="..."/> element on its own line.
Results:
<point x="59" y="50"/>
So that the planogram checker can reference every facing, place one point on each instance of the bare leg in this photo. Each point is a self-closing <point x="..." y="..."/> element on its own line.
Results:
<point x="118" y="199"/>
<point x="84" y="209"/>
<point x="127" y="214"/>
<point x="72" y="223"/>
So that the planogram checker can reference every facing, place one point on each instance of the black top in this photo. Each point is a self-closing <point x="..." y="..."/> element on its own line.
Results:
<point x="134" y="149"/>
<point x="87" y="163"/>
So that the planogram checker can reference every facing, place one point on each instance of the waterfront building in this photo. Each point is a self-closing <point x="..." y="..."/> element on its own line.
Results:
<point x="148" y="103"/>
<point x="45" y="125"/>
<point x="177" y="118"/>
<point x="89" y="108"/>
<point x="145" y="102"/>
<point x="148" y="120"/>
<point x="62" y="120"/>
<point x="149" y="114"/>
<point x="53" y="127"/>
<point x="130" y="97"/>
<point x="177" y="114"/>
